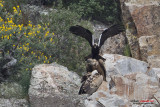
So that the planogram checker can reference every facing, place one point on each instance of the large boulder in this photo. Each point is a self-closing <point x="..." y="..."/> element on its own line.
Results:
<point x="118" y="64"/>
<point x="142" y="19"/>
<point x="114" y="45"/>
<point x="150" y="51"/>
<point x="52" y="84"/>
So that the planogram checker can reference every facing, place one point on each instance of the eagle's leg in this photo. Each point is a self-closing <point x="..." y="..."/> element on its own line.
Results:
<point x="100" y="57"/>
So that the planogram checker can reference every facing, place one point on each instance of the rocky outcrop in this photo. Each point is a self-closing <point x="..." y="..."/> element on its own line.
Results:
<point x="130" y="82"/>
<point x="114" y="45"/>
<point x="11" y="95"/>
<point x="118" y="64"/>
<point x="12" y="102"/>
<point x="52" y="84"/>
<point x="150" y="50"/>
<point x="142" y="22"/>
<point x="10" y="90"/>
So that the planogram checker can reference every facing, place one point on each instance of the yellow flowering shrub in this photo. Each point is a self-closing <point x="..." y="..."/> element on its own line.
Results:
<point x="32" y="44"/>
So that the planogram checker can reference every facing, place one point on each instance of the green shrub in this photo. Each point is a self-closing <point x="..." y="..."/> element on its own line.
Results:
<point x="31" y="44"/>
<point x="69" y="50"/>
<point x="127" y="51"/>
<point x="37" y="44"/>
<point x="106" y="11"/>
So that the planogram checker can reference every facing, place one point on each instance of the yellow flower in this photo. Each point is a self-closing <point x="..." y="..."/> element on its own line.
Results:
<point x="39" y="26"/>
<point x="51" y="39"/>
<point x="1" y="19"/>
<point x="46" y="33"/>
<point x="38" y="31"/>
<point x="1" y="4"/>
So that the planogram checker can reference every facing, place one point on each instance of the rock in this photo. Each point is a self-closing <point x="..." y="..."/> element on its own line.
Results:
<point x="147" y="20"/>
<point x="118" y="64"/>
<point x="150" y="51"/>
<point x="52" y="84"/>
<point x="142" y="19"/>
<point x="12" y="95"/>
<point x="10" y="90"/>
<point x="155" y="72"/>
<point x="129" y="82"/>
<point x="157" y="97"/>
<point x="137" y="86"/>
<point x="105" y="99"/>
<point x="114" y="45"/>
<point x="12" y="102"/>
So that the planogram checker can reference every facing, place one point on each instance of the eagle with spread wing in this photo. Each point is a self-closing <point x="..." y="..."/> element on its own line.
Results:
<point x="94" y="43"/>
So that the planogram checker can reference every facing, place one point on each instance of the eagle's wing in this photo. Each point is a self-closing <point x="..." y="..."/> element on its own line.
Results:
<point x="111" y="31"/>
<point x="80" y="31"/>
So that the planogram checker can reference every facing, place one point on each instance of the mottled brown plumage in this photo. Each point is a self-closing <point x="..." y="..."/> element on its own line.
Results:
<point x="93" y="64"/>
<point x="92" y="83"/>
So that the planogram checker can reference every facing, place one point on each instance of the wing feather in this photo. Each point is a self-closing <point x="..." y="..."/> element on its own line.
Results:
<point x="80" y="31"/>
<point x="91" y="84"/>
<point x="111" y="31"/>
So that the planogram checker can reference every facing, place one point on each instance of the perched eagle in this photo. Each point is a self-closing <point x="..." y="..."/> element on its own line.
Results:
<point x="96" y="43"/>
<point x="91" y="82"/>
<point x="93" y="64"/>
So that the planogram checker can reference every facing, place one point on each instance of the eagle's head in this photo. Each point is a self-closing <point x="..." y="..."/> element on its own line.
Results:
<point x="95" y="45"/>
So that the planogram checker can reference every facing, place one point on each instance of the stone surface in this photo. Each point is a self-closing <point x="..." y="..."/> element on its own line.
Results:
<point x="52" y="84"/>
<point x="129" y="80"/>
<point x="137" y="86"/>
<point x="114" y="45"/>
<point x="147" y="20"/>
<point x="10" y="90"/>
<point x="142" y="22"/>
<point x="149" y="47"/>
<point x="12" y="102"/>
<point x="157" y="96"/>
<point x="118" y="64"/>
<point x="105" y="99"/>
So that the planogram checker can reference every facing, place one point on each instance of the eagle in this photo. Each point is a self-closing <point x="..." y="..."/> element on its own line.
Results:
<point x="93" y="64"/>
<point x="90" y="83"/>
<point x="96" y="43"/>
